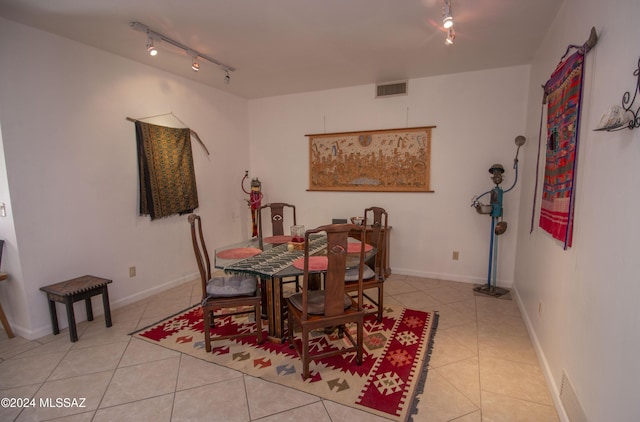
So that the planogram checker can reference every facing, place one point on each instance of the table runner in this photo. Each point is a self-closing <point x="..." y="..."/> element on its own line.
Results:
<point x="276" y="259"/>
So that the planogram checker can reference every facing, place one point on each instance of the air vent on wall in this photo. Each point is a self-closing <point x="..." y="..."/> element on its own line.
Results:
<point x="391" y="89"/>
<point x="570" y="400"/>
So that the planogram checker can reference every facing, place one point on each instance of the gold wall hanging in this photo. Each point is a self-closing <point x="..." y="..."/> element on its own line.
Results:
<point x="391" y="160"/>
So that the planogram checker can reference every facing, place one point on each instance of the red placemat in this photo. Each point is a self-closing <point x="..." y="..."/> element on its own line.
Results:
<point x="277" y="239"/>
<point x="238" y="253"/>
<point x="354" y="247"/>
<point x="316" y="263"/>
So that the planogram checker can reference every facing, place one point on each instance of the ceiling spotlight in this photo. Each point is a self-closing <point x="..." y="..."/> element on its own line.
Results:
<point x="196" y="56"/>
<point x="450" y="37"/>
<point x="447" y="19"/>
<point x="150" y="48"/>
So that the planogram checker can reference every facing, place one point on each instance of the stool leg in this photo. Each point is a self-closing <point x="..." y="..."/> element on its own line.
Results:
<point x="73" y="333"/>
<point x="54" y="317"/>
<point x="5" y="323"/>
<point x="87" y="303"/>
<point x="105" y="305"/>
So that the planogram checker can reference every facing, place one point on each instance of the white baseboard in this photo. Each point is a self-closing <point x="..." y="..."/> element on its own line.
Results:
<point x="98" y="310"/>
<point x="542" y="360"/>
<point x="507" y="284"/>
<point x="153" y="291"/>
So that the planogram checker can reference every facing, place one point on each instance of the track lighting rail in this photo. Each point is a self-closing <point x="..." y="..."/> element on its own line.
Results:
<point x="156" y="36"/>
<point x="447" y="22"/>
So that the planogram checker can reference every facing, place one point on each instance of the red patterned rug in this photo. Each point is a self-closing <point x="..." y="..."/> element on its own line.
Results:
<point x="392" y="375"/>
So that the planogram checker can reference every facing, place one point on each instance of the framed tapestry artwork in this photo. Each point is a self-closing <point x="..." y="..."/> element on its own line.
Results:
<point x="391" y="160"/>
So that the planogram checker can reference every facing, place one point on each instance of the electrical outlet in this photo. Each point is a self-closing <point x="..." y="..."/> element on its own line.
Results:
<point x="132" y="271"/>
<point x="456" y="255"/>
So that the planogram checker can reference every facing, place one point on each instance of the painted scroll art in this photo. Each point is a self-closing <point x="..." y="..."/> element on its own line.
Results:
<point x="564" y="95"/>
<point x="392" y="160"/>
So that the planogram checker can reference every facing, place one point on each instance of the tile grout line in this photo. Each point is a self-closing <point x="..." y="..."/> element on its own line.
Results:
<point x="47" y="378"/>
<point x="113" y="373"/>
<point x="478" y="354"/>
<point x="175" y="386"/>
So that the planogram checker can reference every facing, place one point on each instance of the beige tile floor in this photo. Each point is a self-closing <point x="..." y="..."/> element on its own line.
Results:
<point x="483" y="368"/>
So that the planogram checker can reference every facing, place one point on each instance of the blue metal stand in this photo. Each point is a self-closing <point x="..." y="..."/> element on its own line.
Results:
<point x="492" y="238"/>
<point x="495" y="209"/>
<point x="490" y="288"/>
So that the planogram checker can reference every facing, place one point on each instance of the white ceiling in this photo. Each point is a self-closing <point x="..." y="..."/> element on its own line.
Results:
<point x="288" y="46"/>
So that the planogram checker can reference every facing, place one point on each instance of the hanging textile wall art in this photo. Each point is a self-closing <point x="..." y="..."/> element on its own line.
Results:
<point x="391" y="160"/>
<point x="166" y="173"/>
<point x="564" y="94"/>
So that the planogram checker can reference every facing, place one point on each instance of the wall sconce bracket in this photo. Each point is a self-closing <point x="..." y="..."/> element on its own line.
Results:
<point x="629" y="114"/>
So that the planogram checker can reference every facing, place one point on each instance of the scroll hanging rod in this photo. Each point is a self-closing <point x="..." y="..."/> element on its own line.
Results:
<point x="192" y="132"/>
<point x="587" y="46"/>
<point x="583" y="49"/>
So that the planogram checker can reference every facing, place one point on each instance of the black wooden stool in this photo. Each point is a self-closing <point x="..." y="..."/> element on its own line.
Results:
<point x="74" y="290"/>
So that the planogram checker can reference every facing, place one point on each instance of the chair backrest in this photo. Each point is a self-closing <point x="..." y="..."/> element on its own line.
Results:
<point x="200" y="251"/>
<point x="334" y="286"/>
<point x="377" y="217"/>
<point x="277" y="217"/>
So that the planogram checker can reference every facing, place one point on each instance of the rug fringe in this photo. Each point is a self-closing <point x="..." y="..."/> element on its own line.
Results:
<point x="165" y="318"/>
<point x="413" y="410"/>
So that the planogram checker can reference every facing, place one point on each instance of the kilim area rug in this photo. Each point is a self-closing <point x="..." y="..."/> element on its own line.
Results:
<point x="393" y="372"/>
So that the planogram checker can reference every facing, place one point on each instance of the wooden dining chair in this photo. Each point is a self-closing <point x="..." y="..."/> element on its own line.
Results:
<point x="278" y="213"/>
<point x="373" y="277"/>
<point x="236" y="291"/>
<point x="330" y="307"/>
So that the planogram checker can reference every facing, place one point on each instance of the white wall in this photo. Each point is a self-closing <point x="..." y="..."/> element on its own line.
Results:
<point x="590" y="294"/>
<point x="12" y="295"/>
<point x="477" y="115"/>
<point x="72" y="171"/>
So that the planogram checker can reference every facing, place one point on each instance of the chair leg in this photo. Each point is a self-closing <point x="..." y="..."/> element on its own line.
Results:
<point x="259" y="323"/>
<point x="305" y="353"/>
<point x="207" y="320"/>
<point x="211" y="320"/>
<point x="380" y="303"/>
<point x="5" y="322"/>
<point x="360" y="341"/>
<point x="290" y="329"/>
<point x="263" y="296"/>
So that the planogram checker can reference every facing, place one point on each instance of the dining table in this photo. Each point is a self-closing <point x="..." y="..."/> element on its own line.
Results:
<point x="271" y="259"/>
